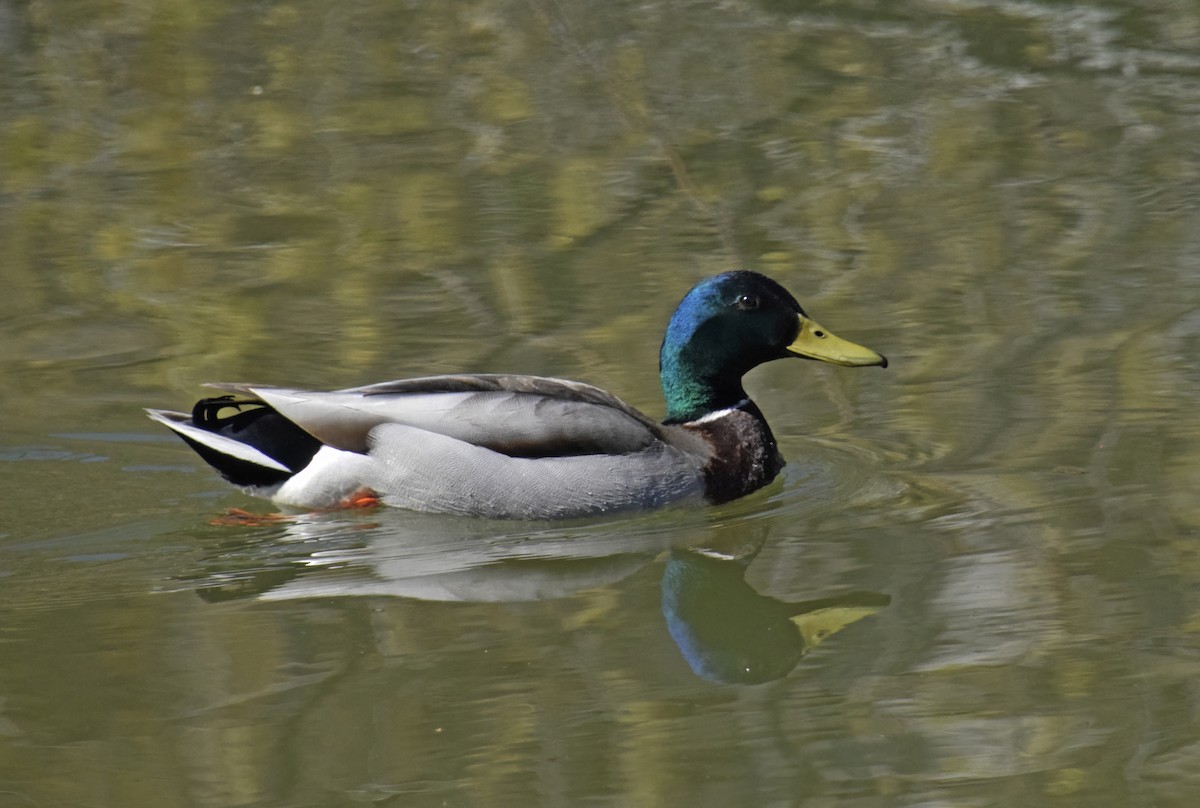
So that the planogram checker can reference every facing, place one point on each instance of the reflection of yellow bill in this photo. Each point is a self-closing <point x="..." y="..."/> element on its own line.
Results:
<point x="818" y="625"/>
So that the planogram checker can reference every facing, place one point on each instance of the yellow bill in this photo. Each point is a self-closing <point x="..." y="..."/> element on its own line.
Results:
<point x="816" y="342"/>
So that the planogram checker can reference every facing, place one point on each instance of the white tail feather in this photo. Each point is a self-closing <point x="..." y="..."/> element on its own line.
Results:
<point x="218" y="443"/>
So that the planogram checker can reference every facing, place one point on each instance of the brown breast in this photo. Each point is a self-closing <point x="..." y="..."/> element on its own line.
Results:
<point x="743" y="456"/>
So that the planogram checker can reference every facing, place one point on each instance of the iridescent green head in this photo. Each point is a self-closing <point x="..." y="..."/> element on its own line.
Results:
<point x="729" y="324"/>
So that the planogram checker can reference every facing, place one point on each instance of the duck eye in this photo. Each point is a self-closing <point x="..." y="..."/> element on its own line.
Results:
<point x="747" y="302"/>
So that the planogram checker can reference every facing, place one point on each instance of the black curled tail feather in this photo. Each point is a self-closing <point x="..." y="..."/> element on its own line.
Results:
<point x="255" y="424"/>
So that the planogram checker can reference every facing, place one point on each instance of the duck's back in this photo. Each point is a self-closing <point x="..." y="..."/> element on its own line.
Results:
<point x="490" y="445"/>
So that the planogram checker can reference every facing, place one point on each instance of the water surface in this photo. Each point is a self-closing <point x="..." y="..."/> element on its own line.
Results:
<point x="976" y="582"/>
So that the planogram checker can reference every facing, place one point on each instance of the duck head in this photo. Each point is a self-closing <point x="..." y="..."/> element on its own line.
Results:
<point x="731" y="323"/>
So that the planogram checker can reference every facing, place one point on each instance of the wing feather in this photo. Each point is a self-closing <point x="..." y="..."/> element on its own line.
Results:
<point x="519" y="416"/>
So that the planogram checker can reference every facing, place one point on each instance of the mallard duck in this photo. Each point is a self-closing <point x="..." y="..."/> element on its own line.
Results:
<point x="528" y="447"/>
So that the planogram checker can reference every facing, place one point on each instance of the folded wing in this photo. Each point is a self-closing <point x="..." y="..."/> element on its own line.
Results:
<point x="519" y="416"/>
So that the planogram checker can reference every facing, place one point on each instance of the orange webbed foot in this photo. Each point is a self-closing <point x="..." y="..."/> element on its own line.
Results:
<point x="360" y="499"/>
<point x="238" y="517"/>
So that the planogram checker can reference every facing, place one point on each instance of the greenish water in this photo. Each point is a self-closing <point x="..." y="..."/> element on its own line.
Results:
<point x="1001" y="197"/>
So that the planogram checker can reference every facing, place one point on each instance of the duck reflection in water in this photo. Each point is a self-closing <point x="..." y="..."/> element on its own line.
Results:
<point x="725" y="629"/>
<point x="728" y="632"/>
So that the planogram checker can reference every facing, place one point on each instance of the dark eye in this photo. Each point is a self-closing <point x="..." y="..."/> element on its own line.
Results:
<point x="747" y="302"/>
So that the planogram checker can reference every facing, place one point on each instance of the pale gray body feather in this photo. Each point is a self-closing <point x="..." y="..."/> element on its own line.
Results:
<point x="426" y="471"/>
<point x="519" y="447"/>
